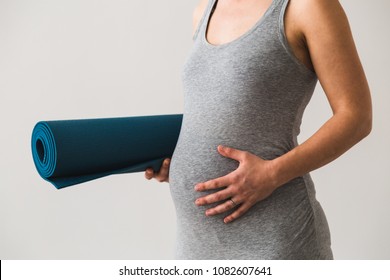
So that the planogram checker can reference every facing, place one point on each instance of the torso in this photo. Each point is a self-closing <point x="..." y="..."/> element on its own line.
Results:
<point x="245" y="90"/>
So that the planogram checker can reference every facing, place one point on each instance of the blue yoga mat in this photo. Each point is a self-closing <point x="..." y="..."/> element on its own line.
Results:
<point x="70" y="152"/>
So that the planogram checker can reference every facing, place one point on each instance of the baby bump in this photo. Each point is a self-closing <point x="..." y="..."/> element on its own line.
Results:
<point x="196" y="158"/>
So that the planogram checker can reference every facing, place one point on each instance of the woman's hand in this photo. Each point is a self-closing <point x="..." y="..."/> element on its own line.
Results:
<point x="162" y="175"/>
<point x="251" y="182"/>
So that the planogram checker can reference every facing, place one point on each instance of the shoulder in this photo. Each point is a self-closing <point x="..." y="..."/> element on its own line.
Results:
<point x="315" y="6"/>
<point x="198" y="13"/>
<point x="317" y="25"/>
<point x="313" y="16"/>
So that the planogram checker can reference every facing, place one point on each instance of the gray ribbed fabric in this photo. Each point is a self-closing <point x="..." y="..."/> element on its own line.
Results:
<point x="248" y="94"/>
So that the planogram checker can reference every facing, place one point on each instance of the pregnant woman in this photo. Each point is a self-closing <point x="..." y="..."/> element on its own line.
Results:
<point x="239" y="180"/>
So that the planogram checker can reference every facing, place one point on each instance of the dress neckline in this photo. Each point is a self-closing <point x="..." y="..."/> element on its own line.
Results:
<point x="242" y="36"/>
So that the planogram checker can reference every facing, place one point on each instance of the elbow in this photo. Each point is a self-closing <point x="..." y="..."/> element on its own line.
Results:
<point x="358" y="123"/>
<point x="365" y="125"/>
<point x="368" y="129"/>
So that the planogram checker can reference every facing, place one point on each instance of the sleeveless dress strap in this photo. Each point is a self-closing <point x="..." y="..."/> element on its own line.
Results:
<point x="205" y="15"/>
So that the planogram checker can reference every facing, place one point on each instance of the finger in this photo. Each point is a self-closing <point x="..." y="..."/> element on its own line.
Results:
<point x="232" y="153"/>
<point x="223" y="207"/>
<point x="238" y="213"/>
<point x="214" y="184"/>
<point x="214" y="197"/>
<point x="164" y="171"/>
<point x="149" y="173"/>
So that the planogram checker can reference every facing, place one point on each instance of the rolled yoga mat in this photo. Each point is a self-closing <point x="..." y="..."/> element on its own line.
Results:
<point x="70" y="152"/>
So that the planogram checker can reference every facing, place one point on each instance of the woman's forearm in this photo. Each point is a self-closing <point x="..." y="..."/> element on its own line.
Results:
<point x="335" y="137"/>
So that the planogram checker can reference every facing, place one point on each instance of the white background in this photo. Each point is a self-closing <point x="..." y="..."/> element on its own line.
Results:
<point x="94" y="58"/>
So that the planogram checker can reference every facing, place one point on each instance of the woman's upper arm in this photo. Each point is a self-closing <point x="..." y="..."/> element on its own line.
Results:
<point x="334" y="56"/>
<point x="197" y="14"/>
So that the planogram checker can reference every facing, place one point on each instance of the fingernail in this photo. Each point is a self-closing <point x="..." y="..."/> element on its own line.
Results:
<point x="196" y="187"/>
<point x="197" y="202"/>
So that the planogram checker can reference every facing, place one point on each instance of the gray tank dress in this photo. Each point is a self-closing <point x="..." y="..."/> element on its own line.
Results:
<point x="248" y="94"/>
